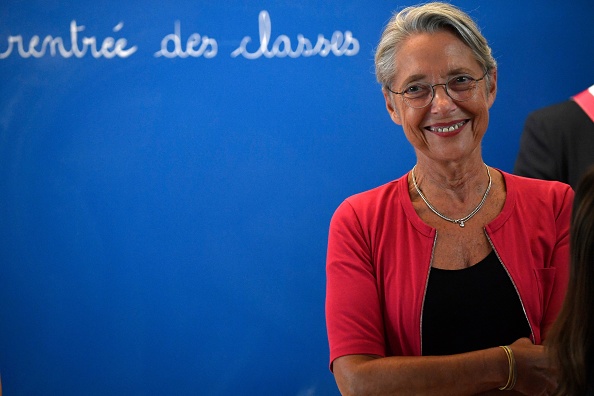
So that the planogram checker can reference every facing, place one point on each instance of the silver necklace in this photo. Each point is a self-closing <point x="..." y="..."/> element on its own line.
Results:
<point x="464" y="219"/>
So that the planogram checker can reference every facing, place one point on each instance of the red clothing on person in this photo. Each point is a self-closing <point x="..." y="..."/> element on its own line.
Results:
<point x="379" y="257"/>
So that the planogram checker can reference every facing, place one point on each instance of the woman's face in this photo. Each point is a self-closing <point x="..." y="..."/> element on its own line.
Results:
<point x="434" y="59"/>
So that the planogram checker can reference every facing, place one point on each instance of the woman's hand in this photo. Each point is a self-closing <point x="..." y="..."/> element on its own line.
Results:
<point x="535" y="375"/>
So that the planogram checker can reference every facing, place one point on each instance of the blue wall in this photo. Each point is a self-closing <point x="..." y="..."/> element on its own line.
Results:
<point x="163" y="219"/>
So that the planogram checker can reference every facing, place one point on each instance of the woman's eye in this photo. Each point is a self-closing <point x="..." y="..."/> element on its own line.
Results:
<point x="462" y="80"/>
<point x="461" y="83"/>
<point x="416" y="90"/>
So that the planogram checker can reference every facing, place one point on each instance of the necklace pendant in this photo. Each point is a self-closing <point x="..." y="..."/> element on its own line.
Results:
<point x="460" y="222"/>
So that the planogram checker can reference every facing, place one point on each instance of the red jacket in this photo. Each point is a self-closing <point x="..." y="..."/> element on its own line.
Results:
<point x="379" y="257"/>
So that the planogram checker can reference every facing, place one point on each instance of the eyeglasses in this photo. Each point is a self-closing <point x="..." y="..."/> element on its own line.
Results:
<point x="419" y="94"/>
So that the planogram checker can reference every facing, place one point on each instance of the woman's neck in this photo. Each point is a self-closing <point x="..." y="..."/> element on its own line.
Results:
<point x="460" y="181"/>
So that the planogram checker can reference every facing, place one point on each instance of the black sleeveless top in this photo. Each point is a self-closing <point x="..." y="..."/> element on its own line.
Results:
<point x="471" y="309"/>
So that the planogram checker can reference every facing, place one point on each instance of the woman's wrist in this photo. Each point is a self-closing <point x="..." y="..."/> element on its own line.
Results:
<point x="512" y="374"/>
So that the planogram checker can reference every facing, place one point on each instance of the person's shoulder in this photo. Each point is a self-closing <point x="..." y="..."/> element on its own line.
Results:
<point x="377" y="193"/>
<point x="534" y="194"/>
<point x="557" y="107"/>
<point x="561" y="112"/>
<point x="538" y="203"/>
<point x="523" y="183"/>
<point x="372" y="199"/>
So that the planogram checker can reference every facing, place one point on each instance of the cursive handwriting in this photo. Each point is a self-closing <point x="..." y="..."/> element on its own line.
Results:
<point x="196" y="46"/>
<point x="340" y="44"/>
<point x="172" y="45"/>
<point x="109" y="47"/>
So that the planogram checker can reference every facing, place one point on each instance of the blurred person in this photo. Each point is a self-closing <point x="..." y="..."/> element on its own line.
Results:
<point x="572" y="336"/>
<point x="558" y="141"/>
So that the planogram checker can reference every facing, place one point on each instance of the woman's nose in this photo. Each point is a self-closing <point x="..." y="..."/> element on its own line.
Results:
<point x="441" y="100"/>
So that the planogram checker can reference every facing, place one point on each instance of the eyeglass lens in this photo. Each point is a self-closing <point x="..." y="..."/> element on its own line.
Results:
<point x="459" y="88"/>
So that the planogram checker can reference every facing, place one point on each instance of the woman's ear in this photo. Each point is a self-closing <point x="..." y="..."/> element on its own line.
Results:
<point x="391" y="107"/>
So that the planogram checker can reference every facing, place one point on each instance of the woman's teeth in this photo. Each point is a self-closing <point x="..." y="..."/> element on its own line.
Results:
<point x="447" y="129"/>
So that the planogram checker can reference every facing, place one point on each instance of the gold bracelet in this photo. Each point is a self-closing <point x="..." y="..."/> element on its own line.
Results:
<point x="512" y="377"/>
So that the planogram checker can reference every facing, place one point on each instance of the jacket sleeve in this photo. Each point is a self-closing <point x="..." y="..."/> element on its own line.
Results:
<point x="353" y="314"/>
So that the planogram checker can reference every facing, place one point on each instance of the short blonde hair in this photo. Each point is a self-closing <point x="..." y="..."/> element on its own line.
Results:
<point x="429" y="18"/>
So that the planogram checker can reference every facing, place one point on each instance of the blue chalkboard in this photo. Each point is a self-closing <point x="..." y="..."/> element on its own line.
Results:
<point x="168" y="171"/>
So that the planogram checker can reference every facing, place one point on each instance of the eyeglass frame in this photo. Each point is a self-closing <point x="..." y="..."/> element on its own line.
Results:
<point x="445" y="87"/>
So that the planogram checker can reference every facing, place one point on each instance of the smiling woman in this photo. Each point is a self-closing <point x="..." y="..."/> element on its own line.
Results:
<point x="437" y="57"/>
<point x="433" y="286"/>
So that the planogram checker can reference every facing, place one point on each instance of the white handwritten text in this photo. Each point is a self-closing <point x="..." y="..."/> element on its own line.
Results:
<point x="195" y="46"/>
<point x="109" y="48"/>
<point x="340" y="44"/>
<point x="172" y="45"/>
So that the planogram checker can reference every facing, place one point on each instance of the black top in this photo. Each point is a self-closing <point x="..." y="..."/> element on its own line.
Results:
<point x="471" y="309"/>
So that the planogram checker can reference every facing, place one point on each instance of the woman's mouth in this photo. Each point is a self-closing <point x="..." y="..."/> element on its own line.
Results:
<point x="447" y="129"/>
